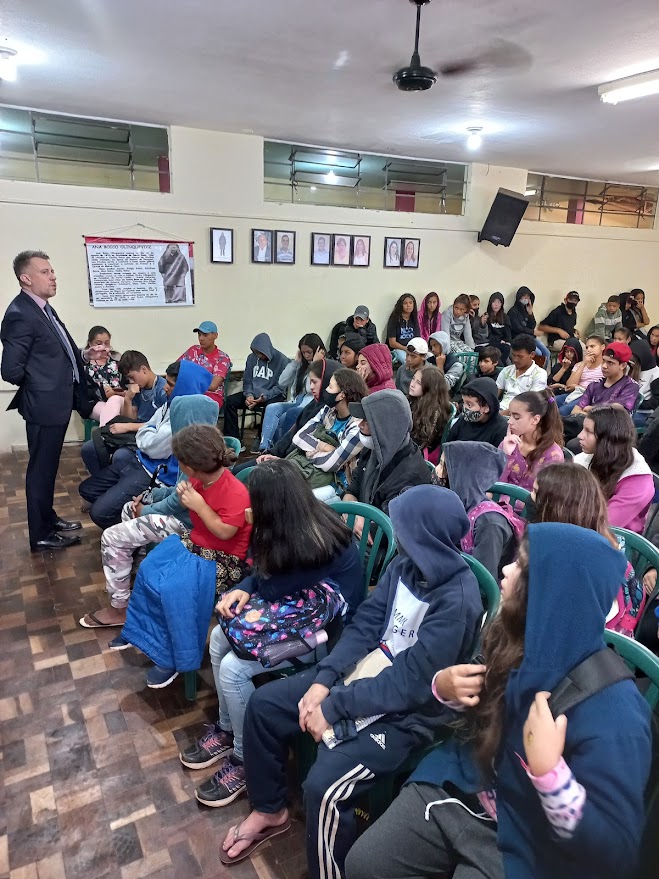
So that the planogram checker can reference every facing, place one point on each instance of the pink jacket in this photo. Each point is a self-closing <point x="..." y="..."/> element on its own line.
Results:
<point x="379" y="359"/>
<point x="628" y="505"/>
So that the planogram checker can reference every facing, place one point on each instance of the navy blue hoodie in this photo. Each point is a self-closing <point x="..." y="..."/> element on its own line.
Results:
<point x="574" y="576"/>
<point x="261" y="377"/>
<point x="426" y="610"/>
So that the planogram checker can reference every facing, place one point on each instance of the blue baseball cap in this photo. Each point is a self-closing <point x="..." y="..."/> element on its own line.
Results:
<point x="206" y="326"/>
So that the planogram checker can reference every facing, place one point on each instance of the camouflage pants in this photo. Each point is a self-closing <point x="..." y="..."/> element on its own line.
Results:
<point x="118" y="545"/>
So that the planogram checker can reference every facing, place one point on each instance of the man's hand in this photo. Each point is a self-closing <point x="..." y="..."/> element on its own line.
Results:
<point x="249" y="401"/>
<point x="232" y="603"/>
<point x="190" y="497"/>
<point x="310" y="701"/>
<point x="316" y="724"/>
<point x="118" y="429"/>
<point x="461" y="683"/>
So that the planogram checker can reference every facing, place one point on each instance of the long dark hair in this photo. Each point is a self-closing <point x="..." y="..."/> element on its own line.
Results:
<point x="499" y="317"/>
<point x="313" y="341"/>
<point x="96" y="331"/>
<point x="292" y="529"/>
<point x="614" y="453"/>
<point x="397" y="314"/>
<point x="571" y="494"/>
<point x="432" y="410"/>
<point x="550" y="426"/>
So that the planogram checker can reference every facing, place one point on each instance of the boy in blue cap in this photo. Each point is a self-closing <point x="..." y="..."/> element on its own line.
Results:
<point x="208" y="355"/>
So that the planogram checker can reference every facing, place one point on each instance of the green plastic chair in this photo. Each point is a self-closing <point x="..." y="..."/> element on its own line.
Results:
<point x="90" y="425"/>
<point x="503" y="489"/>
<point x="653" y="511"/>
<point x="243" y="475"/>
<point x="376" y="556"/>
<point x="449" y="423"/>
<point x="469" y="359"/>
<point x="233" y="443"/>
<point x="489" y="588"/>
<point x="642" y="554"/>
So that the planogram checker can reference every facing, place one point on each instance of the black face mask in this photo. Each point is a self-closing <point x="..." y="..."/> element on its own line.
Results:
<point x="329" y="399"/>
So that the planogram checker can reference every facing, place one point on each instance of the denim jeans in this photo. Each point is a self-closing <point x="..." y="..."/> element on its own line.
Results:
<point x="399" y="355"/>
<point x="113" y="487"/>
<point x="542" y="350"/>
<point x="90" y="458"/>
<point x="233" y="682"/>
<point x="273" y="414"/>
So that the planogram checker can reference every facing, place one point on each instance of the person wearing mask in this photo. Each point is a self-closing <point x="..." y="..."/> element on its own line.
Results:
<point x="523" y="322"/>
<point x="208" y="355"/>
<point x="534" y="439"/>
<point x="431" y="410"/>
<point x="349" y="352"/>
<point x="479" y="420"/>
<point x="457" y="323"/>
<point x="374" y="366"/>
<point x="560" y="324"/>
<point x="360" y="323"/>
<point x="263" y="370"/>
<point x="402" y="326"/>
<point x="446" y="362"/>
<point x="498" y="326"/>
<point x="607" y="319"/>
<point x="415" y="358"/>
<point x="133" y="470"/>
<point x="430" y="316"/>
<point x="430" y="586"/>
<point x="522" y="375"/>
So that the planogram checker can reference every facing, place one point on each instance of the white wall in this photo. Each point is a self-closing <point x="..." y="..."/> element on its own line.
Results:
<point x="217" y="180"/>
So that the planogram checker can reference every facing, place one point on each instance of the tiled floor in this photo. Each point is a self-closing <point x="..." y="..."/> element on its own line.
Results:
<point x="92" y="784"/>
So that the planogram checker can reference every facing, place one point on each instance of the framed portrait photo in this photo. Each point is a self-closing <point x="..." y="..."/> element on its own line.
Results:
<point x="392" y="252"/>
<point x="361" y="250"/>
<point x="411" y="248"/>
<point x="341" y="250"/>
<point x="222" y="245"/>
<point x="321" y="248"/>
<point x="285" y="248"/>
<point x="262" y="245"/>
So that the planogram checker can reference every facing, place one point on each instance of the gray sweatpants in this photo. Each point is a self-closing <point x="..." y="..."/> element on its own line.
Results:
<point x="403" y="845"/>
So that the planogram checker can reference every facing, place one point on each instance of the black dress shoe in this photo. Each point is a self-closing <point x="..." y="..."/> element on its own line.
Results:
<point x="54" y="541"/>
<point x="63" y="525"/>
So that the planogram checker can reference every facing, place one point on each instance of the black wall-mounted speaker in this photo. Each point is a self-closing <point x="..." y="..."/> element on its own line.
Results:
<point x="505" y="216"/>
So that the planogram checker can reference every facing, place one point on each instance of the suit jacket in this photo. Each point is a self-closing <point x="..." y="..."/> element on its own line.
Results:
<point x="35" y="359"/>
<point x="268" y="253"/>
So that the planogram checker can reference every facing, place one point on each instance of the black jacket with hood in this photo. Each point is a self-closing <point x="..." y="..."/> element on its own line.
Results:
<point x="491" y="431"/>
<point x="368" y="333"/>
<point x="521" y="322"/>
<point x="395" y="462"/>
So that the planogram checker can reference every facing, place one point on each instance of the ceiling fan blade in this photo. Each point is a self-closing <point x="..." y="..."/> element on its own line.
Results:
<point x="501" y="56"/>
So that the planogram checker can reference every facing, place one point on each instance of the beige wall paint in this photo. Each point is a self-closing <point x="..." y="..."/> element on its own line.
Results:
<point x="217" y="181"/>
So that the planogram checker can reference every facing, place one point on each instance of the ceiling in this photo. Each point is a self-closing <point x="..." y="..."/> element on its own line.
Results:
<point x="320" y="73"/>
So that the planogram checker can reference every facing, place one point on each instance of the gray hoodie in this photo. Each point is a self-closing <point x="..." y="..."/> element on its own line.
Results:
<point x="261" y="377"/>
<point x="390" y="422"/>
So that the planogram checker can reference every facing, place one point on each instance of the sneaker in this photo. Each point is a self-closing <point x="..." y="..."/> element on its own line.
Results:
<point x="224" y="787"/>
<point x="118" y="643"/>
<point x="242" y="448"/>
<point x="211" y="747"/>
<point x="255" y="448"/>
<point x="158" y="677"/>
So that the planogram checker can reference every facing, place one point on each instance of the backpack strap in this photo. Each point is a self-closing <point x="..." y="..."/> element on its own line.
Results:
<point x="599" y="671"/>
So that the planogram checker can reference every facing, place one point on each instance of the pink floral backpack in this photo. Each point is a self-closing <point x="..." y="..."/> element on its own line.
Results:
<point x="514" y="520"/>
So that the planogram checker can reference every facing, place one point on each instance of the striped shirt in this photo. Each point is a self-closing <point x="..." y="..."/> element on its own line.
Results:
<point x="348" y="436"/>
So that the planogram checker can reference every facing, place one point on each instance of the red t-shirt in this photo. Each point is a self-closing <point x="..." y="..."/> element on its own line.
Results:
<point x="229" y="499"/>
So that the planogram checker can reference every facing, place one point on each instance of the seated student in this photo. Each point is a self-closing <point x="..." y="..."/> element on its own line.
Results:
<point x="527" y="795"/>
<point x="430" y="315"/>
<point x="360" y="324"/>
<point x="522" y="320"/>
<point x="415" y="358"/>
<point x="147" y="519"/>
<point x="608" y="318"/>
<point x="642" y="319"/>
<point x="470" y="470"/>
<point x="422" y="615"/>
<point x="583" y="373"/>
<point x="608" y="440"/>
<point x="176" y="584"/>
<point x="431" y="411"/>
<point x="568" y="362"/>
<point x="208" y="355"/>
<point x="441" y="357"/>
<point x="391" y="461"/>
<point x="102" y="367"/>
<point x="263" y="369"/>
<point x="297" y="542"/>
<point x="498" y="326"/>
<point x="374" y="366"/>
<point x="561" y="323"/>
<point x="402" y="326"/>
<point x="522" y="375"/>
<point x="489" y="358"/>
<point x="479" y="420"/>
<point x="132" y="471"/>
<point x="479" y="329"/>
<point x="653" y="341"/>
<point x="634" y="315"/>
<point x="349" y="352"/>
<point x="294" y="378"/>
<point x="331" y="439"/>
<point x="534" y="439"/>
<point x="457" y="323"/>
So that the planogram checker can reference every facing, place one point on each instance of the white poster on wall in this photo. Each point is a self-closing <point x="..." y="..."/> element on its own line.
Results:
<point x="134" y="272"/>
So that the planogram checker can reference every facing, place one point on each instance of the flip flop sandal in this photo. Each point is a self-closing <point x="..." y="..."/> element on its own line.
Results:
<point x="256" y="840"/>
<point x="97" y="624"/>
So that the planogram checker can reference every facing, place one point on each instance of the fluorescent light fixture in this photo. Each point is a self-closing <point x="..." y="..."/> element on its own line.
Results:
<point x="475" y="140"/>
<point x="329" y="177"/>
<point x="530" y="192"/>
<point x="313" y="188"/>
<point x="640" y="86"/>
<point x="8" y="64"/>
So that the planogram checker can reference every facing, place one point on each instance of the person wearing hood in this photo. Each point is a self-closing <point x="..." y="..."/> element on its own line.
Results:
<point x="457" y="323"/>
<point x="425" y="609"/>
<point x="147" y="519"/>
<point x="480" y="420"/>
<point x="391" y="462"/>
<point x="608" y="318"/>
<point x="529" y="796"/>
<point x="263" y="369"/>
<point x="442" y="357"/>
<point x="132" y="471"/>
<point x="522" y="320"/>
<point x="570" y="355"/>
<point x="470" y="470"/>
<point x="349" y="351"/>
<point x="478" y="322"/>
<point x="359" y="323"/>
<point x="375" y="367"/>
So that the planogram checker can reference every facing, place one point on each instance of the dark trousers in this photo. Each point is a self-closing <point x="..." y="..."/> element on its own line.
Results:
<point x="44" y="444"/>
<point x="233" y="403"/>
<point x="337" y="778"/>
<point x="114" y="486"/>
<point x="90" y="458"/>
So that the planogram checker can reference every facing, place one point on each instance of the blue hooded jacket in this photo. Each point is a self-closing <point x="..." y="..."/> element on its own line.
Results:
<point x="574" y="576"/>
<point x="426" y="609"/>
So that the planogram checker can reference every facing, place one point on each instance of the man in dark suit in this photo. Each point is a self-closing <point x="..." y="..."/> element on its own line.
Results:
<point x="41" y="358"/>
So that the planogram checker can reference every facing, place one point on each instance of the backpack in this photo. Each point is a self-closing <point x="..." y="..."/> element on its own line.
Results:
<point x="629" y="606"/>
<point x="516" y="523"/>
<point x="272" y="632"/>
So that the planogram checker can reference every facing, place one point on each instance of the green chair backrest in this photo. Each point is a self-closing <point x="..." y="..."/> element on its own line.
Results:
<point x="449" y="423"/>
<point x="243" y="475"/>
<point x="490" y="592"/>
<point x="232" y="443"/>
<point x="653" y="511"/>
<point x="503" y="489"/>
<point x="638" y="658"/>
<point x="469" y="359"/>
<point x="376" y="556"/>
<point x="640" y="552"/>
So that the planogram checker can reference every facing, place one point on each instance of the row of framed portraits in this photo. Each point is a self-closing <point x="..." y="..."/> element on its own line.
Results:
<point x="327" y="249"/>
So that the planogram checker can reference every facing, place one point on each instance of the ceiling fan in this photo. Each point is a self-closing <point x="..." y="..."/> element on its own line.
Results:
<point x="415" y="77"/>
